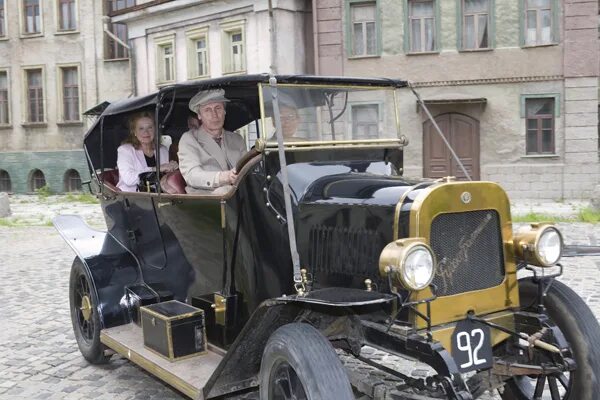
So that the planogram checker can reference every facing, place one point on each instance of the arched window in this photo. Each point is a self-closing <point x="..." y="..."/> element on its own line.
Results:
<point x="72" y="181"/>
<point x="37" y="180"/>
<point x="5" y="185"/>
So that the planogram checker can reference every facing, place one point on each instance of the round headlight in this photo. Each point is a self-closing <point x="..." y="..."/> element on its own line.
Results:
<point x="409" y="262"/>
<point x="418" y="268"/>
<point x="549" y="246"/>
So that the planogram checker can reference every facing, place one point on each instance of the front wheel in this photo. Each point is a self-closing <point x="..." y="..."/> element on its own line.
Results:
<point x="580" y="327"/>
<point x="299" y="363"/>
<point x="84" y="315"/>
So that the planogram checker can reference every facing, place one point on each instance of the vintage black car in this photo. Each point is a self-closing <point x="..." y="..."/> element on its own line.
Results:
<point x="322" y="263"/>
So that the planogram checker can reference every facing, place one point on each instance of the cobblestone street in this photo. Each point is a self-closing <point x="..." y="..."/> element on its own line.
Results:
<point x="39" y="358"/>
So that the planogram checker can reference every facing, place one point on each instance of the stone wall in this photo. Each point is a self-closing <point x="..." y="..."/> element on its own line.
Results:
<point x="53" y="164"/>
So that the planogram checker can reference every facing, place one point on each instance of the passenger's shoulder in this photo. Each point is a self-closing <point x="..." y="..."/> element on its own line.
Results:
<point x="126" y="147"/>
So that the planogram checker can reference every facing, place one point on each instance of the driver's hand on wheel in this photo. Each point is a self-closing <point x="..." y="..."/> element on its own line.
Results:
<point x="228" y="177"/>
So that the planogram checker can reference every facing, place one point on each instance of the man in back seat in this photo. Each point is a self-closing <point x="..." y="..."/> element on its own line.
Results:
<point x="208" y="154"/>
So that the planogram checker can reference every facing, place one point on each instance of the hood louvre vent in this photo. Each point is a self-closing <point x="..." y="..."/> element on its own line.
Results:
<point x="345" y="250"/>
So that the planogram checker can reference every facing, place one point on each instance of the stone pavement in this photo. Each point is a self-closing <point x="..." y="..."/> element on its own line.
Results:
<point x="39" y="358"/>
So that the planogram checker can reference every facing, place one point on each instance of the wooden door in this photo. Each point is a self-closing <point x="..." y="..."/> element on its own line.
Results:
<point x="462" y="132"/>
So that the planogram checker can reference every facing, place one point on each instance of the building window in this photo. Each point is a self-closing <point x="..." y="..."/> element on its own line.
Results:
<point x="165" y="52"/>
<point x="365" y="121"/>
<point x="114" y="49"/>
<point x="234" y="54"/>
<point x="421" y="25"/>
<point x="476" y="24"/>
<point x="4" y="99"/>
<point x="116" y="5"/>
<point x="67" y="15"/>
<point x="35" y="95"/>
<point x="72" y="181"/>
<point x="69" y="77"/>
<point x="2" y="19"/>
<point x="32" y="22"/>
<point x="200" y="57"/>
<point x="364" y="29"/>
<point x="538" y="22"/>
<point x="5" y="184"/>
<point x="540" y="125"/>
<point x="37" y="180"/>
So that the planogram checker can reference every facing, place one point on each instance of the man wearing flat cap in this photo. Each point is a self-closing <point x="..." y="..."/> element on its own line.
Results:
<point x="208" y="154"/>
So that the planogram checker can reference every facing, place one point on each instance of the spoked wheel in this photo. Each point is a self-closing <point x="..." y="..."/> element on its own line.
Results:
<point x="299" y="363"/>
<point x="84" y="316"/>
<point x="580" y="327"/>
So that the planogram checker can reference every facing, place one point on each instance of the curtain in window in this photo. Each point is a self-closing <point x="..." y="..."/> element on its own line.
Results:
<point x="422" y="26"/>
<point x="4" y="98"/>
<point x="70" y="95"/>
<point x="476" y="17"/>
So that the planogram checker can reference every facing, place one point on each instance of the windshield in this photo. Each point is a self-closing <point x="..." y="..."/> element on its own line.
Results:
<point x="330" y="114"/>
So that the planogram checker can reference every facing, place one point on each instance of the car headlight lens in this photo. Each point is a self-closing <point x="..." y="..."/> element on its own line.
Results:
<point x="410" y="262"/>
<point x="549" y="246"/>
<point x="539" y="244"/>
<point x="418" y="267"/>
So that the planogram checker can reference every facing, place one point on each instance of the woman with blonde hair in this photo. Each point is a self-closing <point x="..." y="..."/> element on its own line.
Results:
<point x="136" y="154"/>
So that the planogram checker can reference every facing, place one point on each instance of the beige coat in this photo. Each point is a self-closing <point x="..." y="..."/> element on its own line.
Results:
<point x="201" y="159"/>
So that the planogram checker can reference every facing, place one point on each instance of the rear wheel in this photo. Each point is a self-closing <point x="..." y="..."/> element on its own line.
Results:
<point x="299" y="363"/>
<point x="580" y="327"/>
<point x="84" y="315"/>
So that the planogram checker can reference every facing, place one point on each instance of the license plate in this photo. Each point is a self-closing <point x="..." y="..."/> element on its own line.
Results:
<point x="472" y="346"/>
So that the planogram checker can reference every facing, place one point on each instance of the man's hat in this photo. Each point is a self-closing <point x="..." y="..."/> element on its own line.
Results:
<point x="207" y="96"/>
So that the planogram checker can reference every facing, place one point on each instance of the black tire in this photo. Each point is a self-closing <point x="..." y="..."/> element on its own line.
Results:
<point x="580" y="327"/>
<point x="299" y="363"/>
<point x="87" y="331"/>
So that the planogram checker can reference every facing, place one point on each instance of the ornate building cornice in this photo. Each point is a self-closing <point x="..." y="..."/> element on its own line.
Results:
<point x="464" y="82"/>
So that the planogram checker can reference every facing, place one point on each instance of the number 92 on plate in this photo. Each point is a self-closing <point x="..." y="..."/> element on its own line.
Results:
<point x="472" y="346"/>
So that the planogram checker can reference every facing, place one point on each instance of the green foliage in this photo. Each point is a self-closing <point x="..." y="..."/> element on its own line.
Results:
<point x="44" y="192"/>
<point x="589" y="214"/>
<point x="81" y="198"/>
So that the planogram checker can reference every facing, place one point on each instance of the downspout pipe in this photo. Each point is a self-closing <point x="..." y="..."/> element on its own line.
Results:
<point x="315" y="37"/>
<point x="272" y="40"/>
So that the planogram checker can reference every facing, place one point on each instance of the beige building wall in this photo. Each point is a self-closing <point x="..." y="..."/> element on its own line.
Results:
<point x="54" y="146"/>
<point x="567" y="70"/>
<point x="289" y="53"/>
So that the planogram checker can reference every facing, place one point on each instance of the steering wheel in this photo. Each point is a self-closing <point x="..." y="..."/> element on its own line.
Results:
<point x="249" y="155"/>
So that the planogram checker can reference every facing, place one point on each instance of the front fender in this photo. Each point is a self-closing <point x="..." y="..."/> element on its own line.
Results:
<point x="110" y="265"/>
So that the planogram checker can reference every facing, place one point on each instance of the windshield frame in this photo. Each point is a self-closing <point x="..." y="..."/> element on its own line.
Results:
<point x="345" y="143"/>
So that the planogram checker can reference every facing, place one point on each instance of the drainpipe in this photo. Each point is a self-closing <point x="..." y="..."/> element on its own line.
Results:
<point x="315" y="36"/>
<point x="105" y="22"/>
<point x="272" y="40"/>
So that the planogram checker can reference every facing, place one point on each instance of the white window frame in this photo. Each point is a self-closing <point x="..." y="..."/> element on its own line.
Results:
<point x="159" y="45"/>
<point x="475" y="27"/>
<point x="5" y="35"/>
<point x="60" y="31"/>
<point x="538" y="32"/>
<point x="228" y="29"/>
<point x="25" y="102"/>
<point x="22" y="16"/>
<point x="8" y="98"/>
<point x="192" y="37"/>
<point x="362" y="104"/>
<point x="375" y="21"/>
<point x="60" y="92"/>
<point x="435" y="32"/>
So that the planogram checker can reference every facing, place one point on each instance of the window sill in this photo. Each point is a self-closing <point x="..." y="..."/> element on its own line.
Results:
<point x="110" y="60"/>
<point x="34" y="124"/>
<point x="69" y="123"/>
<point x="69" y="32"/>
<point x="31" y="35"/>
<point x="163" y="84"/>
<point x="553" y="156"/>
<point x="199" y="77"/>
<point x="235" y="72"/>
<point x="533" y="46"/>
<point x="363" y="57"/>
<point x="6" y="126"/>
<point x="3" y="38"/>
<point x="423" y="53"/>
<point x="475" y="50"/>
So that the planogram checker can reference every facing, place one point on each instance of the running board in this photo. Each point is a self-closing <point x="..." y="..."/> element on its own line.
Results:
<point x="189" y="375"/>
